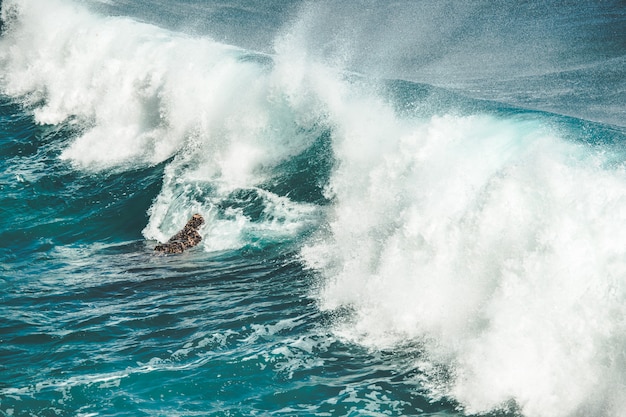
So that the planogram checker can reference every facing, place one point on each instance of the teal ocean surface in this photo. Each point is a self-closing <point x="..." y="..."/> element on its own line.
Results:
<point x="412" y="208"/>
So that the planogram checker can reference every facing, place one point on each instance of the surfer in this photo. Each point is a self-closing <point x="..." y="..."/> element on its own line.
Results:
<point x="186" y="238"/>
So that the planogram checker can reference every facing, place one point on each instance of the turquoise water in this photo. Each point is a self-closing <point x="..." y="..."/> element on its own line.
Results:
<point x="379" y="240"/>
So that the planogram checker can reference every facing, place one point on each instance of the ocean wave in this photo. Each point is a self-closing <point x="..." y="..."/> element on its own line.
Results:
<point x="489" y="236"/>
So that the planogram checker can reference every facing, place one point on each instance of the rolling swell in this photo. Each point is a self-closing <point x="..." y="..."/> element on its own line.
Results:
<point x="47" y="203"/>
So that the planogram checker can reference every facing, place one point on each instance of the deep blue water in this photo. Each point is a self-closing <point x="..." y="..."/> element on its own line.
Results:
<point x="412" y="208"/>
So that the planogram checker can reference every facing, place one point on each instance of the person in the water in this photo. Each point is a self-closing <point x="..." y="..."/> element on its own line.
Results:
<point x="186" y="238"/>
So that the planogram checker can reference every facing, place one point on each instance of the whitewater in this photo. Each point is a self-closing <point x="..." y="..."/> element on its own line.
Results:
<point x="387" y="231"/>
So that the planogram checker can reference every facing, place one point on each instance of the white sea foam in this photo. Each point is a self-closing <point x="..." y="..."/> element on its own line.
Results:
<point x="496" y="244"/>
<point x="139" y="90"/>
<point x="143" y="94"/>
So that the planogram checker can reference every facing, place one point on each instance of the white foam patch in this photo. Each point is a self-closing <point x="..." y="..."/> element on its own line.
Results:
<point x="141" y="92"/>
<point x="493" y="242"/>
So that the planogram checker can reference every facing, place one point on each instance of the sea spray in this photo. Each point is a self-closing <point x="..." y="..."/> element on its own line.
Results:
<point x="142" y="95"/>
<point x="493" y="243"/>
<point x="127" y="83"/>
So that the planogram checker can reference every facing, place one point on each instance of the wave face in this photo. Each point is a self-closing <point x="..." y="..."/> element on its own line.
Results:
<point x="448" y="250"/>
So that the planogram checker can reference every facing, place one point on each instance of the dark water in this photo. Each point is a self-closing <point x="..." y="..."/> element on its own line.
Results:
<point x="411" y="208"/>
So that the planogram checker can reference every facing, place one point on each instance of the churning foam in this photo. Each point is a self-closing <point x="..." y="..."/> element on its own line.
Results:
<point x="493" y="242"/>
<point x="138" y="90"/>
<point x="142" y="95"/>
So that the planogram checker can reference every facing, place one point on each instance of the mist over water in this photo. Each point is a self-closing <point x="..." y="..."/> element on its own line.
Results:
<point x="469" y="251"/>
<point x="566" y="57"/>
